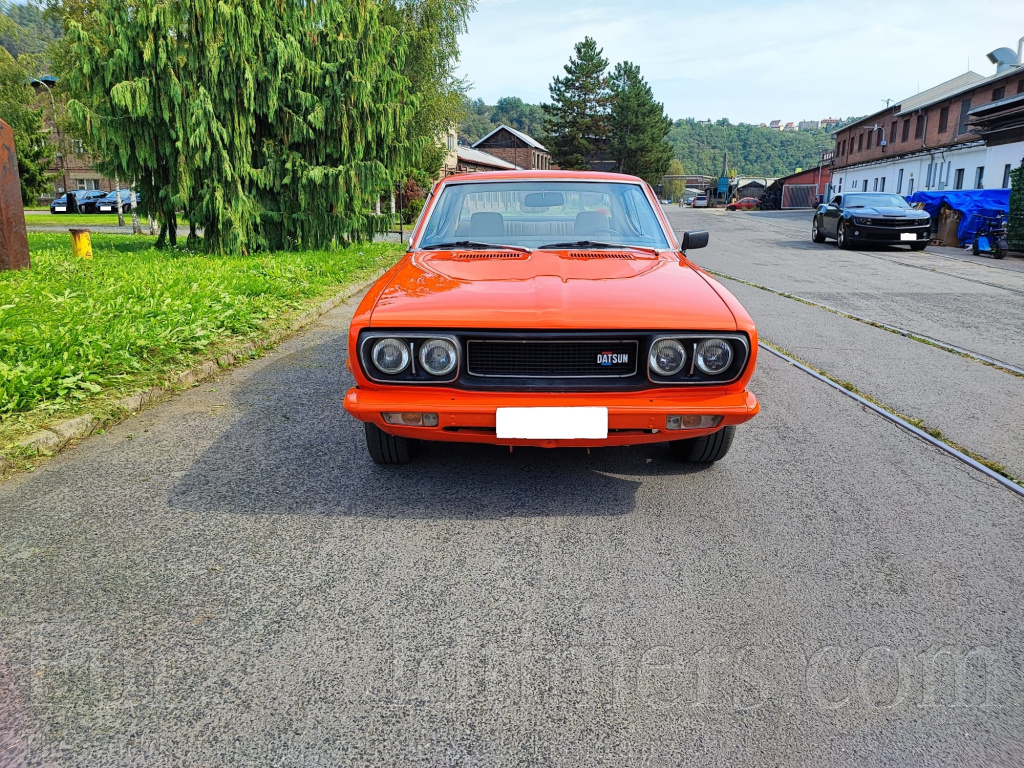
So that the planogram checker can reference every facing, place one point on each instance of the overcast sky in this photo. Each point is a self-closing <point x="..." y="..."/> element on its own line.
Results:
<point x="749" y="60"/>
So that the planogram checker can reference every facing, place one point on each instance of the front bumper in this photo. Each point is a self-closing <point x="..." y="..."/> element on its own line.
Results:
<point x="469" y="417"/>
<point x="888" y="235"/>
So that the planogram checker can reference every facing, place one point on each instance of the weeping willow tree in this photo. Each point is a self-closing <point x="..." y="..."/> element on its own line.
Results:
<point x="271" y="124"/>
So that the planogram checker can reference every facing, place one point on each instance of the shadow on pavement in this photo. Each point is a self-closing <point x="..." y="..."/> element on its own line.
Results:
<point x="292" y="449"/>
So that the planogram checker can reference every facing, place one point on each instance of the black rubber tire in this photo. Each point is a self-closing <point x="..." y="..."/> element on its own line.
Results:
<point x="974" y="248"/>
<point x="999" y="254"/>
<point x="841" y="238"/>
<point x="389" y="449"/>
<point x="704" y="450"/>
<point x="816" y="235"/>
<point x="918" y="246"/>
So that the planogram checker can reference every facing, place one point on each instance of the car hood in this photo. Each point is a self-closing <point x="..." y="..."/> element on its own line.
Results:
<point x="549" y="289"/>
<point x="889" y="211"/>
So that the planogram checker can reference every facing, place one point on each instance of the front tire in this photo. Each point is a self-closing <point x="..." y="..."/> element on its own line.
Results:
<point x="816" y="235"/>
<point x="389" y="449"/>
<point x="841" y="239"/>
<point x="918" y="246"/>
<point x="706" y="449"/>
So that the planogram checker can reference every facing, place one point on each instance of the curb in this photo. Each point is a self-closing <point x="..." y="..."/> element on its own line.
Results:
<point x="55" y="438"/>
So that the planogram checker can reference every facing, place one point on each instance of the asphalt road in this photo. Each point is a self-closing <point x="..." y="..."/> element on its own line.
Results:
<point x="227" y="580"/>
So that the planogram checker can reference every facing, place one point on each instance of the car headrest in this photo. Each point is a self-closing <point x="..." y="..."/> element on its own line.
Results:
<point x="590" y="221"/>
<point x="487" y="225"/>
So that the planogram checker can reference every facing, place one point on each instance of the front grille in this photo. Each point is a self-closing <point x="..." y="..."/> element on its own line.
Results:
<point x="555" y="359"/>
<point x="903" y="223"/>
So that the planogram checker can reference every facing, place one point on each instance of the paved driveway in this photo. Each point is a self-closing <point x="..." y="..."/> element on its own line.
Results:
<point x="228" y="580"/>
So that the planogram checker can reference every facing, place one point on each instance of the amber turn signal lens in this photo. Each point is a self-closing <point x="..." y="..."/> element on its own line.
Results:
<point x="411" y="419"/>
<point x="673" y="423"/>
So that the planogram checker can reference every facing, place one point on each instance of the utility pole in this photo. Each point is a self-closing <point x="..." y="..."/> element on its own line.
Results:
<point x="56" y="130"/>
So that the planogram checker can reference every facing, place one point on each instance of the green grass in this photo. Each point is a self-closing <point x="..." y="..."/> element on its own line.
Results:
<point x="74" y="333"/>
<point x="65" y="220"/>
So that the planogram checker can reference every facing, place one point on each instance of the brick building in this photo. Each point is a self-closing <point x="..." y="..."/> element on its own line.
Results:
<point x="515" y="147"/>
<point x="966" y="133"/>
<point x="72" y="168"/>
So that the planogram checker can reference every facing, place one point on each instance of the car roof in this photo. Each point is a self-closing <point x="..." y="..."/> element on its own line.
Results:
<point x="545" y="175"/>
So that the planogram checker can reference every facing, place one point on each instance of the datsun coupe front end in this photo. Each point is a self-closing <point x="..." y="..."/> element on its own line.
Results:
<point x="550" y="309"/>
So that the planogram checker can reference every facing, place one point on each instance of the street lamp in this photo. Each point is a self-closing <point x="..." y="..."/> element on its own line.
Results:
<point x="56" y="129"/>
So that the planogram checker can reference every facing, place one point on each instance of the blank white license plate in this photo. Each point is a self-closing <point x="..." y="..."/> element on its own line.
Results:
<point x="106" y="208"/>
<point x="908" y="236"/>
<point x="60" y="209"/>
<point x="553" y="423"/>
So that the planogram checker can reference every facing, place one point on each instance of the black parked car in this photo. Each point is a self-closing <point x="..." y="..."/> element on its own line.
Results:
<point x="879" y="218"/>
<point x="83" y="197"/>
<point x="108" y="204"/>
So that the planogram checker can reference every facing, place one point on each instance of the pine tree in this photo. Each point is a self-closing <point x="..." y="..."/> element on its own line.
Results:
<point x="272" y="125"/>
<point x="577" y="118"/>
<point x="637" y="126"/>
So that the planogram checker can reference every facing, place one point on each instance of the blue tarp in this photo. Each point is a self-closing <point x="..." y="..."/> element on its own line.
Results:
<point x="973" y="204"/>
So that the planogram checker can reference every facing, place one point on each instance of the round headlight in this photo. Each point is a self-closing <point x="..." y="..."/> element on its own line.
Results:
<point x="667" y="357"/>
<point x="438" y="357"/>
<point x="391" y="356"/>
<point x="714" y="356"/>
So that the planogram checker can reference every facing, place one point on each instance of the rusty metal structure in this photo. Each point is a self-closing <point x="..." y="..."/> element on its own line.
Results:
<point x="13" y="239"/>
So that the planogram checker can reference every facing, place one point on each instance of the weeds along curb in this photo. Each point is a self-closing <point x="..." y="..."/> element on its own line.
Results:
<point x="56" y="437"/>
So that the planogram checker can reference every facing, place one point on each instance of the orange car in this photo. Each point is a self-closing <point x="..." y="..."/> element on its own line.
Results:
<point x="552" y="309"/>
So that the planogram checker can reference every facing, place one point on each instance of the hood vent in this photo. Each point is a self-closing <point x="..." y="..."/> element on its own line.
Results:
<point x="479" y="255"/>
<point x="600" y="255"/>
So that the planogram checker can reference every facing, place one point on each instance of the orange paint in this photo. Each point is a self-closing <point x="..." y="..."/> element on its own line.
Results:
<point x="549" y="290"/>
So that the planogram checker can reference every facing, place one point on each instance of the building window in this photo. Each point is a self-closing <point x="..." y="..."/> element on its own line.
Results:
<point x="875" y="188"/>
<point x="906" y="129"/>
<point x="892" y="131"/>
<point x="77" y="147"/>
<point x="928" y="179"/>
<point x="919" y="128"/>
<point x="860" y="142"/>
<point x="86" y="184"/>
<point x="998" y="93"/>
<point x="899" y="182"/>
<point x="910" y="187"/>
<point x="881" y="185"/>
<point x="958" y="180"/>
<point x="1020" y="86"/>
<point x="943" y="119"/>
<point x="1006" y="173"/>
<point x="965" y="107"/>
<point x="865" y="187"/>
<point x="870" y="136"/>
<point x="979" y="177"/>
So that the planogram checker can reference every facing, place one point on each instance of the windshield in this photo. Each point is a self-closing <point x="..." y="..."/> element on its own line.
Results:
<point x="874" y="201"/>
<point x="532" y="214"/>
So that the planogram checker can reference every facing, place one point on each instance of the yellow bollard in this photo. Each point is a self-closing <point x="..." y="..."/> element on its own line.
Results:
<point x="81" y="243"/>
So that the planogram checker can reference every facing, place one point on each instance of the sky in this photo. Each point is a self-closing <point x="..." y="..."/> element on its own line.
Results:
<point x="751" y="61"/>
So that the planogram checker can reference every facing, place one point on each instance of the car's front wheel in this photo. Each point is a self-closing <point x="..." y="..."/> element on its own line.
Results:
<point x="841" y="238"/>
<point x="706" y="449"/>
<point x="918" y="246"/>
<point x="816" y="235"/>
<point x="389" y="449"/>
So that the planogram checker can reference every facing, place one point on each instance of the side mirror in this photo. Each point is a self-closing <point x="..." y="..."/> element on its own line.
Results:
<point x="698" y="239"/>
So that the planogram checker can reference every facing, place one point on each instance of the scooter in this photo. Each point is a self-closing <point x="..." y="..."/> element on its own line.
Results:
<point x="990" y="239"/>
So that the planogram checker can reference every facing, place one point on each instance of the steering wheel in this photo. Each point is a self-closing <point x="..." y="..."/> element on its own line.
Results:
<point x="605" y="231"/>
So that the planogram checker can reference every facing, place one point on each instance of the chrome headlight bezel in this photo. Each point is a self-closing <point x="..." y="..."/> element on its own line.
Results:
<point x="413" y="373"/>
<point x="691" y="374"/>
<point x="667" y="341"/>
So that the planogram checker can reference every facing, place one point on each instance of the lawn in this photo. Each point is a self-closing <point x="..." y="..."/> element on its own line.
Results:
<point x="84" y="220"/>
<point x="76" y="333"/>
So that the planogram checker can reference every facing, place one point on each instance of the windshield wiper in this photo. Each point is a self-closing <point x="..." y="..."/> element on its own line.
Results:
<point x="598" y="244"/>
<point x="474" y="244"/>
